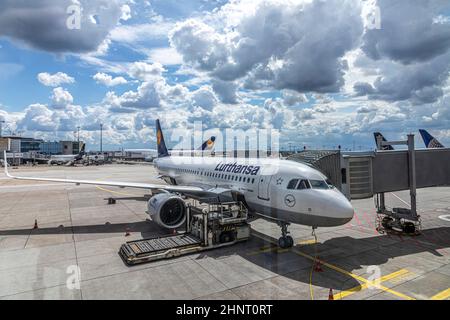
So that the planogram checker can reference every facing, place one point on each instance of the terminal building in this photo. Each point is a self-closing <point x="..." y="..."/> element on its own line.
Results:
<point x="22" y="150"/>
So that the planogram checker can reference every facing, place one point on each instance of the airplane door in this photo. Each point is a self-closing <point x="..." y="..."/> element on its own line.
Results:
<point x="264" y="183"/>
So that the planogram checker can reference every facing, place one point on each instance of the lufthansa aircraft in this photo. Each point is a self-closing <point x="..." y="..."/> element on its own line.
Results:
<point x="275" y="189"/>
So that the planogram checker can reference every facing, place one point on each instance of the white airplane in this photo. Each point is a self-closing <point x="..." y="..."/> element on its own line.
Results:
<point x="151" y="154"/>
<point x="280" y="190"/>
<point x="69" y="159"/>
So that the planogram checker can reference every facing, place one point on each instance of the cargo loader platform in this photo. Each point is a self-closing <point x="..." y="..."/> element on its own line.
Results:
<point x="207" y="228"/>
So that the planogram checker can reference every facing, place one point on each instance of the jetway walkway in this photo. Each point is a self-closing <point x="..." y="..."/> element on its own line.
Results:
<point x="362" y="175"/>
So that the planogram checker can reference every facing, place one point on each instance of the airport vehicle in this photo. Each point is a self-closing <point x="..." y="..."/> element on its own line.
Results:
<point x="279" y="190"/>
<point x="148" y="154"/>
<point x="429" y="140"/>
<point x="67" y="160"/>
<point x="209" y="227"/>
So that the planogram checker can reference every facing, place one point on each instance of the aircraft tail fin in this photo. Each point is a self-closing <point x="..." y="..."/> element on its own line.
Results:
<point x="208" y="145"/>
<point x="82" y="149"/>
<point x="162" y="149"/>
<point x="429" y="140"/>
<point x="378" y="134"/>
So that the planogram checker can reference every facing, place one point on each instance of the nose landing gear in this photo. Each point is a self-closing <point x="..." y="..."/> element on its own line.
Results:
<point x="285" y="241"/>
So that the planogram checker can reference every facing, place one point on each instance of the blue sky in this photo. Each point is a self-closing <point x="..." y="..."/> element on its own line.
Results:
<point x="319" y="72"/>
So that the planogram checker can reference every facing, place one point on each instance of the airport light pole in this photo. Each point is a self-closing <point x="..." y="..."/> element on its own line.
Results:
<point x="78" y="138"/>
<point x="101" y="137"/>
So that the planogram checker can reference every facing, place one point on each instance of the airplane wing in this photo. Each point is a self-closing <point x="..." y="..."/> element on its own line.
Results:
<point x="149" y="186"/>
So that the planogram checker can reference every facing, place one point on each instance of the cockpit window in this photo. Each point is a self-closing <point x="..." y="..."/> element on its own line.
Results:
<point x="329" y="183"/>
<point x="303" y="185"/>
<point x="292" y="184"/>
<point x="319" y="184"/>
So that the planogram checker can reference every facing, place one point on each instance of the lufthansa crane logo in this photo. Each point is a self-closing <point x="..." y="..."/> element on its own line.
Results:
<point x="289" y="200"/>
<point x="158" y="137"/>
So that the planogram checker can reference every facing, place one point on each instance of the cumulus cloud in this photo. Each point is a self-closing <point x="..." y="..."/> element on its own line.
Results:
<point x="291" y="98"/>
<point x="409" y="31"/>
<point x="274" y="44"/>
<point x="61" y="98"/>
<point x="43" y="24"/>
<point x="409" y="55"/>
<point x="226" y="90"/>
<point x="54" y="80"/>
<point x="108" y="80"/>
<point x="145" y="71"/>
<point x="204" y="98"/>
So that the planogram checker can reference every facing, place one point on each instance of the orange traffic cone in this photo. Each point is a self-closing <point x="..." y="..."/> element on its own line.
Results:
<point x="35" y="224"/>
<point x="331" y="295"/>
<point x="127" y="232"/>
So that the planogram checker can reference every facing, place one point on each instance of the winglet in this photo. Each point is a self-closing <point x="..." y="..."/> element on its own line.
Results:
<point x="6" y="165"/>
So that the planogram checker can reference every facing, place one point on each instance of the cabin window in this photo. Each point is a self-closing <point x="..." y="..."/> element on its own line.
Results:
<point x="319" y="184"/>
<point x="292" y="184"/>
<point x="253" y="180"/>
<point x="240" y="179"/>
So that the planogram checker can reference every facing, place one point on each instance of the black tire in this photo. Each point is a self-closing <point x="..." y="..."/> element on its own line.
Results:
<point x="409" y="228"/>
<point x="283" y="242"/>
<point x="226" y="237"/>
<point x="386" y="223"/>
<point x="290" y="241"/>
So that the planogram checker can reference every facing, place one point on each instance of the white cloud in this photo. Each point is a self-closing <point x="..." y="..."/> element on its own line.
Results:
<point x="61" y="98"/>
<point x="43" y="24"/>
<point x="108" y="80"/>
<point x="126" y="12"/>
<point x="54" y="80"/>
<point x="145" y="71"/>
<point x="274" y="44"/>
<point x="165" y="56"/>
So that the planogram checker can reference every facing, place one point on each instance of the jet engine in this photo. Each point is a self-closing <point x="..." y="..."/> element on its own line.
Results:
<point x="167" y="210"/>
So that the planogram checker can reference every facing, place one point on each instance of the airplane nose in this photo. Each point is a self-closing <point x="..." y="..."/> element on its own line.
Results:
<point x="342" y="208"/>
<point x="346" y="211"/>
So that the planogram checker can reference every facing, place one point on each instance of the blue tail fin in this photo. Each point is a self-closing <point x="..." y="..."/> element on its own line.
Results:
<point x="429" y="140"/>
<point x="162" y="149"/>
<point x="208" y="144"/>
<point x="378" y="134"/>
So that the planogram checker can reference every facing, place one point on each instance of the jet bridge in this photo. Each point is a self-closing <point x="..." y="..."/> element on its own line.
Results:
<point x="362" y="175"/>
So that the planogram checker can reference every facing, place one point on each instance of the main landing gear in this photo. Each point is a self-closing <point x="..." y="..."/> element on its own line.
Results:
<point x="285" y="241"/>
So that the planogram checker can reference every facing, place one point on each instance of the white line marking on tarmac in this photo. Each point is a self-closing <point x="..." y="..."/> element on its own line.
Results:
<point x="445" y="217"/>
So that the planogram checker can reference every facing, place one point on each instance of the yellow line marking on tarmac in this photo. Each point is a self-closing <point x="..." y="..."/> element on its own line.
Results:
<point x="335" y="268"/>
<point x="354" y="276"/>
<point x="442" y="295"/>
<point x="366" y="285"/>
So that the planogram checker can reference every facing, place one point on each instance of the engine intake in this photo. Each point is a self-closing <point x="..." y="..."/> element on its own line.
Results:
<point x="167" y="210"/>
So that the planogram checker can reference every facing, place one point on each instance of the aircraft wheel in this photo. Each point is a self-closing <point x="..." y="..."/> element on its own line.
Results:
<point x="283" y="242"/>
<point x="226" y="237"/>
<point x="290" y="241"/>
<point x="409" y="228"/>
<point x="386" y="223"/>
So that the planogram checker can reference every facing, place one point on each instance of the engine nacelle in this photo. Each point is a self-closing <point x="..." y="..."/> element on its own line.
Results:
<point x="167" y="210"/>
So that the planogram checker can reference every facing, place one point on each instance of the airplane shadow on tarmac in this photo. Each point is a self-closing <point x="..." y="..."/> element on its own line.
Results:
<point x="344" y="252"/>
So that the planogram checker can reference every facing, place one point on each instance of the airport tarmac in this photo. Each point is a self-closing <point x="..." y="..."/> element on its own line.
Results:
<point x="77" y="228"/>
